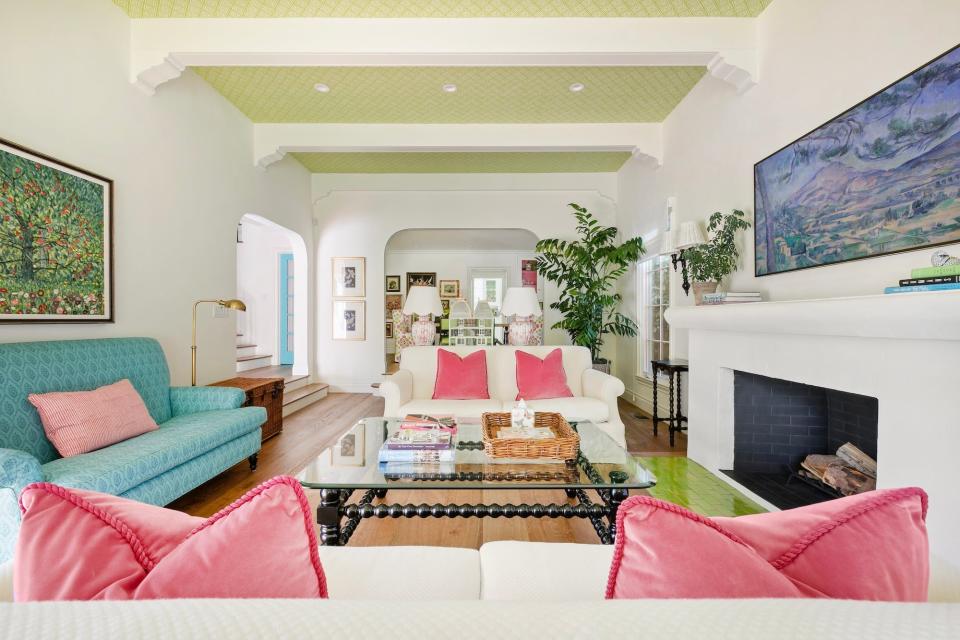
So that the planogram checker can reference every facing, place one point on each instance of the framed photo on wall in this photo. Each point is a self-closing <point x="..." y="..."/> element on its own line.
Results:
<point x="445" y="305"/>
<point x="349" y="279"/>
<point x="421" y="279"/>
<point x="388" y="329"/>
<point x="449" y="288"/>
<point x="392" y="284"/>
<point x="394" y="302"/>
<point x="349" y="320"/>
<point x="528" y="273"/>
<point x="880" y="178"/>
<point x="56" y="240"/>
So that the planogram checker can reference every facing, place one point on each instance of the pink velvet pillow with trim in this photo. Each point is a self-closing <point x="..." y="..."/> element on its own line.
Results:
<point x="82" y="545"/>
<point x="541" y="379"/>
<point x="461" y="378"/>
<point x="872" y="546"/>
<point x="80" y="421"/>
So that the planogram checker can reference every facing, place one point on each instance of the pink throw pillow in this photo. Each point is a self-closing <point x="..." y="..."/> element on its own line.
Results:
<point x="82" y="545"/>
<point x="872" y="546"/>
<point x="80" y="421"/>
<point x="461" y="378"/>
<point x="541" y="379"/>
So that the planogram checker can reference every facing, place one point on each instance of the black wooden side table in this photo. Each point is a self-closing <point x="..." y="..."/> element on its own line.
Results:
<point x="673" y="369"/>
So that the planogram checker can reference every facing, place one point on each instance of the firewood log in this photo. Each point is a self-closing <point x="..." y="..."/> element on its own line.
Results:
<point x="857" y="459"/>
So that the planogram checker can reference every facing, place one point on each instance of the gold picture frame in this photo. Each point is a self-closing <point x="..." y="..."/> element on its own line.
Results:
<point x="349" y="277"/>
<point x="349" y="320"/>
<point x="449" y="288"/>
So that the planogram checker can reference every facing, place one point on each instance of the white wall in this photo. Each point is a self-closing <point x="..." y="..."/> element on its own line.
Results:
<point x="180" y="161"/>
<point x="357" y="215"/>
<point x="817" y="59"/>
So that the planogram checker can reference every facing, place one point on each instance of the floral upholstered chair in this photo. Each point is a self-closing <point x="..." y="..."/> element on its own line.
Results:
<point x="401" y="333"/>
<point x="537" y="337"/>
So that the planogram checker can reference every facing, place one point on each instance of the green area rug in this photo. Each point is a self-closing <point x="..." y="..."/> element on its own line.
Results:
<point x="684" y="482"/>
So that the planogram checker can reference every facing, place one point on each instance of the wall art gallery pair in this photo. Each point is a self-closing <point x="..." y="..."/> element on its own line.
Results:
<point x="56" y="240"/>
<point x="349" y="312"/>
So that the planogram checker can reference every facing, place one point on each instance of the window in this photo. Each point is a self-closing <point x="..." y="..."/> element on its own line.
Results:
<point x="654" y="298"/>
<point x="488" y="285"/>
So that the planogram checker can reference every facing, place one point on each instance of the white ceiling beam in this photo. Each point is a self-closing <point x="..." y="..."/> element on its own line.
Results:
<point x="162" y="48"/>
<point x="271" y="142"/>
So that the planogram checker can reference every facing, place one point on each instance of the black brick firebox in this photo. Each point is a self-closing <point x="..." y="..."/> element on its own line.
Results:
<point x="777" y="423"/>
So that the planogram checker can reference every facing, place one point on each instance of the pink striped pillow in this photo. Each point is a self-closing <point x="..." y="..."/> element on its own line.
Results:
<point x="80" y="421"/>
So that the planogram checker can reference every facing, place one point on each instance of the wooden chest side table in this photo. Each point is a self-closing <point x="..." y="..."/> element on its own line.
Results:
<point x="261" y="392"/>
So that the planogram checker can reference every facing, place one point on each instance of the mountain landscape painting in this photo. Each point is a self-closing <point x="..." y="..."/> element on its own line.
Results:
<point x="880" y="178"/>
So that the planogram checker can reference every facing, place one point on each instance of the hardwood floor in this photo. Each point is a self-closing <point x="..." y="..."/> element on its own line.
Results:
<point x="305" y="434"/>
<point x="311" y="430"/>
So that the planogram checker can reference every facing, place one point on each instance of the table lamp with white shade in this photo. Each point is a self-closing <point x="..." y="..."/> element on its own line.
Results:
<point x="522" y="304"/>
<point x="423" y="302"/>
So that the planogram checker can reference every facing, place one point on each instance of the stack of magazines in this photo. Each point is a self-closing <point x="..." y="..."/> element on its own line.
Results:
<point x="945" y="278"/>
<point x="421" y="438"/>
<point x="731" y="297"/>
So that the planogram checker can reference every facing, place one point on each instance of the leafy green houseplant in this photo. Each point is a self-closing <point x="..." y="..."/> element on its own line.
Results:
<point x="586" y="270"/>
<point x="710" y="262"/>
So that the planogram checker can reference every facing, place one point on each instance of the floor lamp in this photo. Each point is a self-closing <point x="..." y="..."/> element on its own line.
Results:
<point x="236" y="305"/>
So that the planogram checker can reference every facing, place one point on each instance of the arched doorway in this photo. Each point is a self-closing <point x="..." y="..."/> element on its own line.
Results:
<point x="272" y="277"/>
<point x="482" y="262"/>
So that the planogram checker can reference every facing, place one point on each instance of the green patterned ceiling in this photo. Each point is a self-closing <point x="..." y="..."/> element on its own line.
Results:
<point x="484" y="95"/>
<point x="464" y="162"/>
<point x="440" y="8"/>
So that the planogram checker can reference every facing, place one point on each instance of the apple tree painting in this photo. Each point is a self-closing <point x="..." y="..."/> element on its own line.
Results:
<point x="54" y="240"/>
<point x="880" y="178"/>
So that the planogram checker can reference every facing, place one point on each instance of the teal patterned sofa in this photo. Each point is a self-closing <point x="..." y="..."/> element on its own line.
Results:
<point x="203" y="431"/>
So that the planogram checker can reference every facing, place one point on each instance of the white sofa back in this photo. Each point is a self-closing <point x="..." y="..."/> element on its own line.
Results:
<point x="421" y="362"/>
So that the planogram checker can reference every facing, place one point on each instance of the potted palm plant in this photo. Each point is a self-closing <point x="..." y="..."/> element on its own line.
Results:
<point x="713" y="260"/>
<point x="586" y="270"/>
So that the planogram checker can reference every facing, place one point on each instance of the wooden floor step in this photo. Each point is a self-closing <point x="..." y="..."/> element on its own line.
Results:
<point x="257" y="356"/>
<point x="301" y="393"/>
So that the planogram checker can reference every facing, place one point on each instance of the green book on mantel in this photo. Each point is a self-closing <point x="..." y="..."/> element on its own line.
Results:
<point x="930" y="272"/>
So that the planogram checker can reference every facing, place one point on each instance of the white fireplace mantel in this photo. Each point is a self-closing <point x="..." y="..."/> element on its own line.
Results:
<point x="916" y="316"/>
<point x="902" y="349"/>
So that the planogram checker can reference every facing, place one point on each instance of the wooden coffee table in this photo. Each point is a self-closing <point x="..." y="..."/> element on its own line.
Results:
<point x="350" y="465"/>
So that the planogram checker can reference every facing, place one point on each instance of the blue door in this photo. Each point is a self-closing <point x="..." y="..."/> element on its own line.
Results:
<point x="285" y="324"/>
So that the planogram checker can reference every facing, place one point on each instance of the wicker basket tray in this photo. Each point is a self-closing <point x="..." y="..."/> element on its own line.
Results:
<point x="563" y="447"/>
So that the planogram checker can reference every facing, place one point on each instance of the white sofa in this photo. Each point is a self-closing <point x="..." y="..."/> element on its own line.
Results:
<point x="410" y="390"/>
<point x="503" y="590"/>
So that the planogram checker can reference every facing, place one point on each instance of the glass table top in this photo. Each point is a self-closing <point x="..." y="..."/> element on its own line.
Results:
<point x="351" y="463"/>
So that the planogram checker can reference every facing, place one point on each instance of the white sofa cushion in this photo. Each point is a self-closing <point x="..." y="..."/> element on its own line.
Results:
<point x="589" y="409"/>
<point x="544" y="571"/>
<point x="6" y="581"/>
<point x="501" y="368"/>
<point x="459" y="408"/>
<point x="784" y="619"/>
<point x="401" y="573"/>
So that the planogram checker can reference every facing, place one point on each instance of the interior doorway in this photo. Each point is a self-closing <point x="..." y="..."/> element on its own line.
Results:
<point x="287" y="326"/>
<point x="468" y="264"/>
<point x="272" y="281"/>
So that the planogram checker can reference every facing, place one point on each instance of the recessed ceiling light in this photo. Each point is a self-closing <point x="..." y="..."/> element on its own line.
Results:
<point x="577" y="87"/>
<point x="449" y="88"/>
<point x="322" y="88"/>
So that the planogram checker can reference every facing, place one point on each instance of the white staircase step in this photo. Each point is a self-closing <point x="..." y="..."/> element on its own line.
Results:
<point x="246" y="349"/>
<point x="256" y="361"/>
<point x="302" y="397"/>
